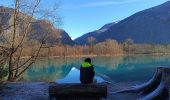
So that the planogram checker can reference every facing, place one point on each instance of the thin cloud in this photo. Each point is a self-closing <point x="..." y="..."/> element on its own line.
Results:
<point x="100" y="3"/>
<point x="106" y="3"/>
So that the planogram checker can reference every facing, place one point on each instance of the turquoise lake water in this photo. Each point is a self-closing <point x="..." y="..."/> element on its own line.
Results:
<point x="118" y="69"/>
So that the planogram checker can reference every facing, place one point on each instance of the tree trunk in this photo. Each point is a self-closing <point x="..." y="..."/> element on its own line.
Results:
<point x="10" y="67"/>
<point x="157" y="87"/>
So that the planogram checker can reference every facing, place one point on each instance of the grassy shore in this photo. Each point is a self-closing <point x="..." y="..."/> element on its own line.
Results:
<point x="116" y="55"/>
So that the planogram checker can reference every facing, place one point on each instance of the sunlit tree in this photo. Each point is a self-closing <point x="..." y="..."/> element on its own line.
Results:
<point x="14" y="36"/>
<point x="91" y="41"/>
<point x="126" y="46"/>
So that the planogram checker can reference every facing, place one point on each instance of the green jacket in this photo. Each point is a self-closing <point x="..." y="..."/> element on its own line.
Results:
<point x="86" y="65"/>
<point x="86" y="73"/>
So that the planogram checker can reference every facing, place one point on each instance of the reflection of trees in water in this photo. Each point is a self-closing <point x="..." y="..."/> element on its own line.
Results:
<point x="58" y="62"/>
<point x="143" y="61"/>
<point x="50" y="69"/>
<point x="42" y="74"/>
<point x="53" y="69"/>
<point x="58" y="68"/>
<point x="128" y="60"/>
<point x="110" y="63"/>
<point x="129" y="68"/>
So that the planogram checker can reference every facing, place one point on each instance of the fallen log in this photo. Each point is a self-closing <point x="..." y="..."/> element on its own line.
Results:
<point x="159" y="93"/>
<point x="155" y="88"/>
<point x="77" y="90"/>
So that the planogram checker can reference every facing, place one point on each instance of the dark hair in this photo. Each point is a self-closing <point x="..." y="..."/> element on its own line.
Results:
<point x="87" y="60"/>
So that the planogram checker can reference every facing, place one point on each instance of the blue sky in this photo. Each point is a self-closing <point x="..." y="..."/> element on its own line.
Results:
<point x="82" y="16"/>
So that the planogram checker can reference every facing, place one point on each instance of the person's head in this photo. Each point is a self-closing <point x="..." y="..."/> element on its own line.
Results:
<point x="87" y="60"/>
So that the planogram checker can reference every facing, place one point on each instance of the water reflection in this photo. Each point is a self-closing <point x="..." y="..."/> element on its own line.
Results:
<point x="129" y="68"/>
<point x="73" y="77"/>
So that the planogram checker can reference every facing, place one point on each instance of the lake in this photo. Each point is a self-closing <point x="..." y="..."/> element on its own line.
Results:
<point x="117" y="69"/>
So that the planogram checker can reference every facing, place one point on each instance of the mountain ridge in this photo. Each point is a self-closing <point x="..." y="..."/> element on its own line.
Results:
<point x="83" y="41"/>
<point x="39" y="27"/>
<point x="151" y="26"/>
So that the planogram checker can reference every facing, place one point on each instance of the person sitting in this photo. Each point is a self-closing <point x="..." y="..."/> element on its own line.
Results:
<point x="87" y="72"/>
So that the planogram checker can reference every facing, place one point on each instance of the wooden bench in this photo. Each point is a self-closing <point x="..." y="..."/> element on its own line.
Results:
<point x="77" y="91"/>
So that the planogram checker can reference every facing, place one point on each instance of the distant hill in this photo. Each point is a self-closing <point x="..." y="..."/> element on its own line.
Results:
<point x="42" y="27"/>
<point x="38" y="28"/>
<point x="65" y="38"/>
<point x="148" y="26"/>
<point x="83" y="39"/>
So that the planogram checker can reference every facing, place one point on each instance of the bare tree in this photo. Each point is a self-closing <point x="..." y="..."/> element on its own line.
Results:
<point x="127" y="44"/>
<point x="91" y="41"/>
<point x="15" y="37"/>
<point x="108" y="47"/>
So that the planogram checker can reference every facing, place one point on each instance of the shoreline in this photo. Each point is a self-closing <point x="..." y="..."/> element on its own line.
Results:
<point x="117" y="55"/>
<point x="39" y="90"/>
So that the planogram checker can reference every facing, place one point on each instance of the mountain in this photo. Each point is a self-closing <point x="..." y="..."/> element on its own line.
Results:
<point x="65" y="38"/>
<point x="148" y="26"/>
<point x="38" y="28"/>
<point x="43" y="27"/>
<point x="83" y="39"/>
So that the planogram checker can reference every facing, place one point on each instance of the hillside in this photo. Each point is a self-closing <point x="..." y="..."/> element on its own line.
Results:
<point x="83" y="39"/>
<point x="148" y="26"/>
<point x="38" y="28"/>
